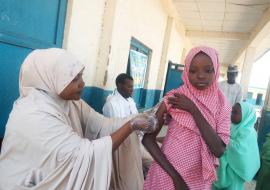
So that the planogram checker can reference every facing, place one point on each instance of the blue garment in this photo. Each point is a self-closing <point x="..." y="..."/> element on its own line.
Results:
<point x="263" y="179"/>
<point x="241" y="159"/>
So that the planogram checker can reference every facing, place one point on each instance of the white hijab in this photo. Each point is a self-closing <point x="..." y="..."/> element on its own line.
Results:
<point x="43" y="147"/>
<point x="50" y="70"/>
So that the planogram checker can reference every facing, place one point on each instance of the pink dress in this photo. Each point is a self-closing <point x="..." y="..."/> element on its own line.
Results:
<point x="183" y="145"/>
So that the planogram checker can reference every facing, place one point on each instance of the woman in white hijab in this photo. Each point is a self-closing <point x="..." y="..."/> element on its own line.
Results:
<point x="50" y="139"/>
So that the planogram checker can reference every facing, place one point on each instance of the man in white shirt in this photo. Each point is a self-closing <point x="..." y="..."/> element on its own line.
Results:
<point x="120" y="104"/>
<point x="127" y="160"/>
<point x="231" y="89"/>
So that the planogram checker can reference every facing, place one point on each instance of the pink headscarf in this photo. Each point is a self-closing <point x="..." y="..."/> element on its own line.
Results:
<point x="211" y="103"/>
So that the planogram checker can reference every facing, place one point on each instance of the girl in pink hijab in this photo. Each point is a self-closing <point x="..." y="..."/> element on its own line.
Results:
<point x="198" y="131"/>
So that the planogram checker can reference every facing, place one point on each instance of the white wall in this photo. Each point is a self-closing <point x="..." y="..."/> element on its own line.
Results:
<point x="175" y="50"/>
<point x="82" y="33"/>
<point x="144" y="20"/>
<point x="176" y="46"/>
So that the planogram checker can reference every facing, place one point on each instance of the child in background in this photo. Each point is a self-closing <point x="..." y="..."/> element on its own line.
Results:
<point x="241" y="160"/>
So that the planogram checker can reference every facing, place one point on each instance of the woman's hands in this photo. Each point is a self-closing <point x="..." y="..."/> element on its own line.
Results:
<point x="146" y="122"/>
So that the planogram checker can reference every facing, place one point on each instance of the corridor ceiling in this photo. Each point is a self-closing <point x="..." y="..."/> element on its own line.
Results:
<point x="230" y="26"/>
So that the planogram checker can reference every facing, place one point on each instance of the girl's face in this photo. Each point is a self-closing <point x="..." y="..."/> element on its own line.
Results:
<point x="236" y="116"/>
<point x="74" y="89"/>
<point x="201" y="71"/>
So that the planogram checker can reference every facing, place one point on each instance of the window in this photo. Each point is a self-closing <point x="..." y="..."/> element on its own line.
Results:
<point x="138" y="64"/>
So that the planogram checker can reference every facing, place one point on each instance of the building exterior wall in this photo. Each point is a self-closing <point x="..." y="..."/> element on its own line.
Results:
<point x="145" y="21"/>
<point x="99" y="33"/>
<point x="175" y="50"/>
<point x="82" y="33"/>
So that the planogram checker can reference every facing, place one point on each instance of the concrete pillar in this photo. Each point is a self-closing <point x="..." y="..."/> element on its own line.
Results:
<point x="105" y="43"/>
<point x="267" y="98"/>
<point x="247" y="68"/>
<point x="163" y="61"/>
<point x="264" y="127"/>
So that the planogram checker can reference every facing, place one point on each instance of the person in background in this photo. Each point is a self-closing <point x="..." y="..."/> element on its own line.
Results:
<point x="53" y="139"/>
<point x="128" y="160"/>
<point x="263" y="178"/>
<point x="120" y="104"/>
<point x="241" y="160"/>
<point x="230" y="88"/>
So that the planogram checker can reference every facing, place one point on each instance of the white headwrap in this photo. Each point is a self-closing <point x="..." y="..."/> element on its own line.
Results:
<point x="50" y="70"/>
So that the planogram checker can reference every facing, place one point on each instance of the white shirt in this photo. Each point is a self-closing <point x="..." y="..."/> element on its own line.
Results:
<point x="233" y="92"/>
<point x="119" y="107"/>
<point x="127" y="170"/>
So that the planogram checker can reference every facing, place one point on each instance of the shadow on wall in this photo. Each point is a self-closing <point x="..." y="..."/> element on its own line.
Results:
<point x="96" y="97"/>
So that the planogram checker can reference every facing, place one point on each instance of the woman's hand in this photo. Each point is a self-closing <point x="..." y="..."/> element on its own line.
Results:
<point x="144" y="122"/>
<point x="147" y="123"/>
<point x="182" y="102"/>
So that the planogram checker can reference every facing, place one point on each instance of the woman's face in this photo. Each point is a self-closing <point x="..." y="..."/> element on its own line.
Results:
<point x="236" y="116"/>
<point x="74" y="89"/>
<point x="201" y="71"/>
